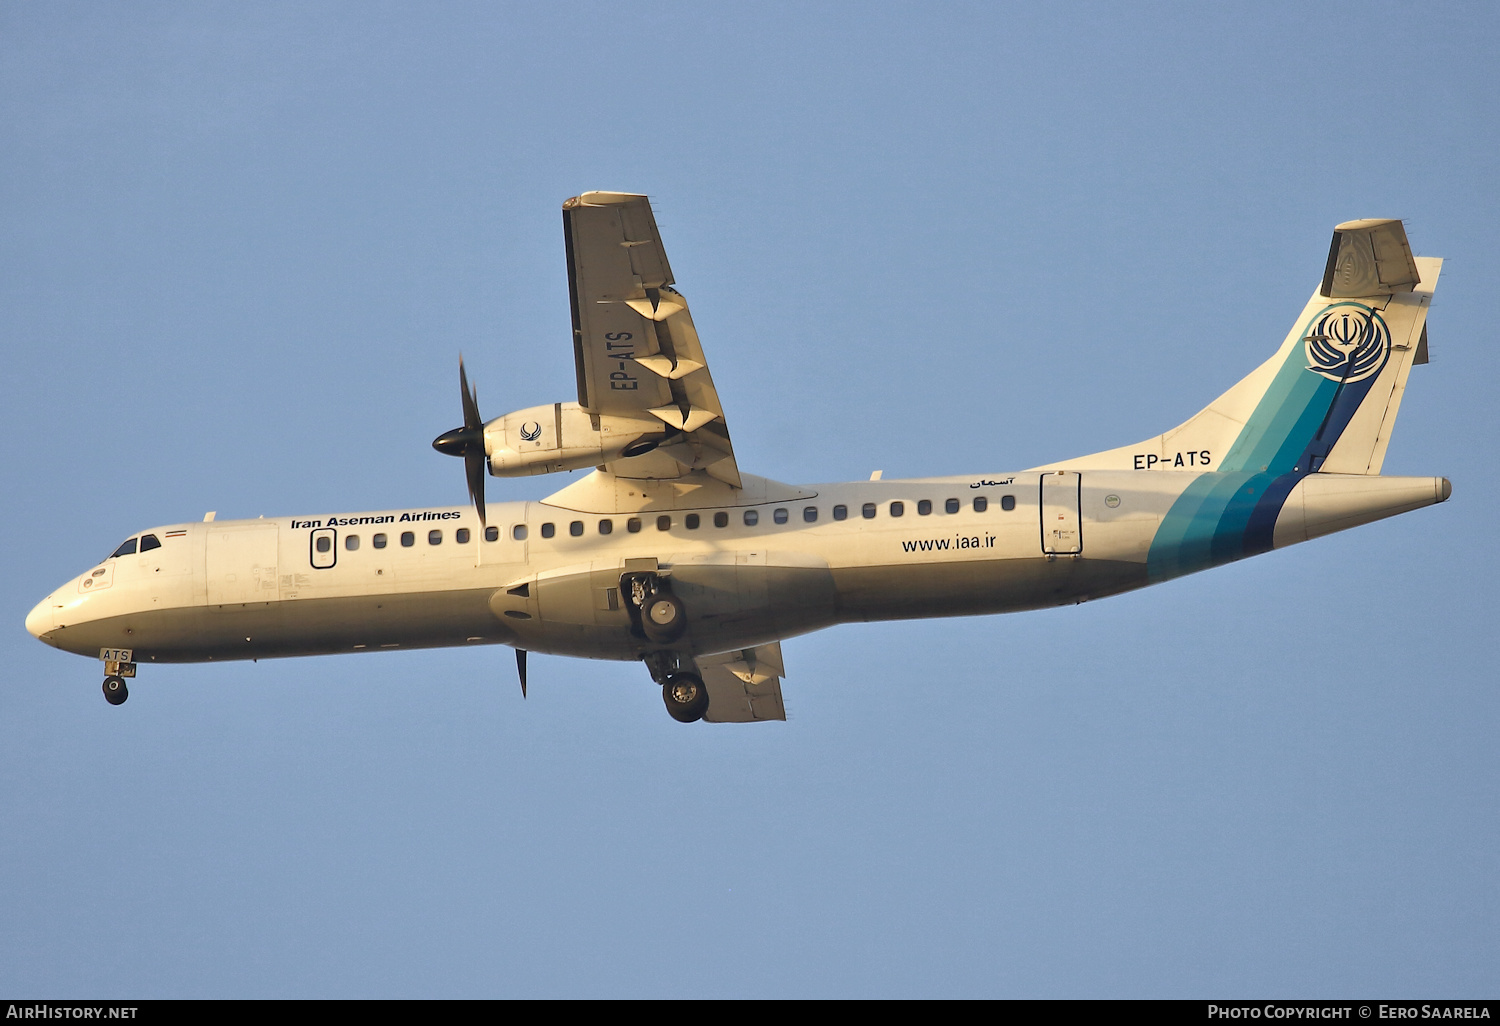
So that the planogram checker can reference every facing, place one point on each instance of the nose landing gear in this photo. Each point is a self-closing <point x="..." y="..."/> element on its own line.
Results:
<point x="118" y="664"/>
<point x="115" y="691"/>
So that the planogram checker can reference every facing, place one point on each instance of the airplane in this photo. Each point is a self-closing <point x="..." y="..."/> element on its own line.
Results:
<point x="666" y="553"/>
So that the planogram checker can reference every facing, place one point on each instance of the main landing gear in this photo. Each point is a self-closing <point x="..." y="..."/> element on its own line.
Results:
<point x="661" y="617"/>
<point x="685" y="696"/>
<point x="660" y="614"/>
<point x="682" y="690"/>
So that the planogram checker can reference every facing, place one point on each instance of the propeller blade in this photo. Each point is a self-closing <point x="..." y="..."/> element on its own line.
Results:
<point x="474" y="465"/>
<point x="521" y="669"/>
<point x="468" y="442"/>
<point x="472" y="419"/>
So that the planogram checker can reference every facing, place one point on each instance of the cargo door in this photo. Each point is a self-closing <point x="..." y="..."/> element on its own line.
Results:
<point x="240" y="564"/>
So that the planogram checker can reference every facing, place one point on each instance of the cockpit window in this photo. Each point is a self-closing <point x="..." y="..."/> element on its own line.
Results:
<point x="149" y="542"/>
<point x="126" y="549"/>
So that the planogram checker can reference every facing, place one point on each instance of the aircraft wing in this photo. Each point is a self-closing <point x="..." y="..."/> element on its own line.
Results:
<point x="743" y="685"/>
<point x="634" y="343"/>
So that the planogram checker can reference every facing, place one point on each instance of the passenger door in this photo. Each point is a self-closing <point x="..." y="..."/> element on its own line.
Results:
<point x="1062" y="531"/>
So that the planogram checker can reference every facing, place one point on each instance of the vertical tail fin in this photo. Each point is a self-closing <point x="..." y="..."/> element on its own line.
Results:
<point x="1328" y="399"/>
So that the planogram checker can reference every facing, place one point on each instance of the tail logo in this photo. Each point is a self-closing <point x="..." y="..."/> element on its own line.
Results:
<point x="1350" y="342"/>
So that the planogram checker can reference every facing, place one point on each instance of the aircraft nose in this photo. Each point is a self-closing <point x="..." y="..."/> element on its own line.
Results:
<point x="41" y="620"/>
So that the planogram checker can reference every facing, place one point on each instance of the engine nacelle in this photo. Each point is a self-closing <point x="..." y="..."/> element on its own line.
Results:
<point x="564" y="436"/>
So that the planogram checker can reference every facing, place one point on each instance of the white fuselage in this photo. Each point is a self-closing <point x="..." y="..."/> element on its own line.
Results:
<point x="547" y="578"/>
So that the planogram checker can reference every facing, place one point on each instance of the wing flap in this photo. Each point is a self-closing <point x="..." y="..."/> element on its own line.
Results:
<point x="744" y="686"/>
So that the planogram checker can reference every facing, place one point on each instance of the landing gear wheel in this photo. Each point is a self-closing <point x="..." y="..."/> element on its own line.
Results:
<point x="115" y="691"/>
<point x="685" y="696"/>
<point x="663" y="617"/>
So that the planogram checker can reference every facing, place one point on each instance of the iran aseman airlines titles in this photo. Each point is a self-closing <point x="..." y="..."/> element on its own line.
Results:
<point x="668" y="554"/>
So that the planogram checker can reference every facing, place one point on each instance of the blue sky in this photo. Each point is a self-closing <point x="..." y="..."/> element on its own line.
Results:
<point x="243" y="248"/>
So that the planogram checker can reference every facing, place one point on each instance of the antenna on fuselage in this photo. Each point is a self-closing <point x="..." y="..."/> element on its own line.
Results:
<point x="521" y="669"/>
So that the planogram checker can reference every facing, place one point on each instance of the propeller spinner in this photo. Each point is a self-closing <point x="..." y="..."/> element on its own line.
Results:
<point x="468" y="442"/>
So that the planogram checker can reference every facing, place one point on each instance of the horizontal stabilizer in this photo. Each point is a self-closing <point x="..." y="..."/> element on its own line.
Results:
<point x="1369" y="258"/>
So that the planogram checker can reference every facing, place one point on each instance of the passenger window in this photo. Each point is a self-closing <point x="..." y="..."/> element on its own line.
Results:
<point x="324" y="543"/>
<point x="378" y="541"/>
<point x="125" y="549"/>
<point x="691" y="521"/>
<point x="149" y="542"/>
<point x="1007" y="502"/>
<point x="633" y="525"/>
<point x="721" y="519"/>
<point x="810" y="513"/>
<point x="897" y="508"/>
<point x="663" y="523"/>
<point x="950" y="506"/>
<point x="867" y="511"/>
<point x="461" y="536"/>
<point x="606" y="526"/>
<point x="841" y="512"/>
<point x="924" y="507"/>
<point x="981" y="504"/>
<point x="434" y="537"/>
<point x="351" y="542"/>
<point x="548" y="530"/>
<point x="408" y="539"/>
<point x="780" y="516"/>
<point x="576" y="529"/>
<point x="518" y="532"/>
<point x="492" y="534"/>
<point x="752" y="517"/>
